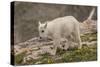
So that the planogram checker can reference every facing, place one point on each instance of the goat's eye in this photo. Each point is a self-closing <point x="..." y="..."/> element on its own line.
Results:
<point x="42" y="31"/>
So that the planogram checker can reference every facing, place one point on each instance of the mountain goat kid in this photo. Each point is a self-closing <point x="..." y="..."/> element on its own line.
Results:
<point x="64" y="27"/>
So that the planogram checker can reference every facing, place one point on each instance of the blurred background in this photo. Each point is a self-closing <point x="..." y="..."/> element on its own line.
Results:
<point x="27" y="15"/>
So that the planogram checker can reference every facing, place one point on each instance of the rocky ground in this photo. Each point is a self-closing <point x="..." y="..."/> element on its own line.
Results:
<point x="36" y="51"/>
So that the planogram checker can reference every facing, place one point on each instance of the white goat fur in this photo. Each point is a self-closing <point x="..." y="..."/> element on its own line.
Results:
<point x="64" y="27"/>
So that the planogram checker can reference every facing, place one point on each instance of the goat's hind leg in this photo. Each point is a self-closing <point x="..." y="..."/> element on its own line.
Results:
<point x="77" y="38"/>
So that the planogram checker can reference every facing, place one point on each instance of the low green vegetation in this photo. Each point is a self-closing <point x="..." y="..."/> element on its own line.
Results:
<point x="84" y="54"/>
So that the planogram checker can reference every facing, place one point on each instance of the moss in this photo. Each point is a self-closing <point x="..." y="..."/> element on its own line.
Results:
<point x="19" y="58"/>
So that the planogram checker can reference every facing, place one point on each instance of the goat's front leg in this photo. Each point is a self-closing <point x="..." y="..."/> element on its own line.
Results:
<point x="55" y="44"/>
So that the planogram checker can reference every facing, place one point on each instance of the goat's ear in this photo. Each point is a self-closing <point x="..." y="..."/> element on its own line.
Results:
<point x="45" y="25"/>
<point x="39" y="23"/>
